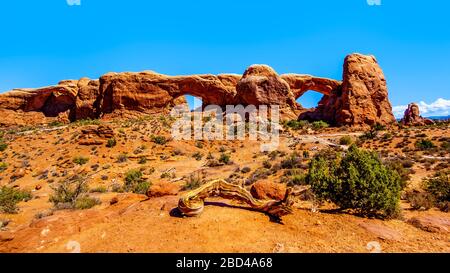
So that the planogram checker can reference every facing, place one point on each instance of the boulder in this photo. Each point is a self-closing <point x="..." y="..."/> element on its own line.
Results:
<point x="431" y="223"/>
<point x="95" y="135"/>
<point x="162" y="189"/>
<point x="268" y="190"/>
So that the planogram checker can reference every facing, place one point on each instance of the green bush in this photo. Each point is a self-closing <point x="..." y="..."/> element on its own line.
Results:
<point x="224" y="158"/>
<point x="161" y="140"/>
<point x="3" y="166"/>
<point x="345" y="140"/>
<point x="439" y="186"/>
<point x="68" y="191"/>
<point x="296" y="124"/>
<point x="9" y="197"/>
<point x="3" y="146"/>
<point x="193" y="182"/>
<point x="86" y="202"/>
<point x="111" y="143"/>
<point x="134" y="182"/>
<point x="122" y="158"/>
<point x="356" y="180"/>
<point x="291" y="161"/>
<point x="198" y="156"/>
<point x="420" y="200"/>
<point x="424" y="144"/>
<point x="80" y="160"/>
<point x="320" y="124"/>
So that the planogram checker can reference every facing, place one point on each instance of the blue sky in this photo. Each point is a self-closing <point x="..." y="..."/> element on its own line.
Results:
<point x="42" y="42"/>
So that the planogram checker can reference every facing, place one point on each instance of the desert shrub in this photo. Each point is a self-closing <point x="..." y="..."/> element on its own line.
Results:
<point x="111" y="143"/>
<point x="99" y="189"/>
<point x="378" y="127"/>
<point x="296" y="124"/>
<point x="424" y="144"/>
<point x="199" y="144"/>
<point x="402" y="167"/>
<point x="84" y="122"/>
<point x="69" y="190"/>
<point x="80" y="160"/>
<point x="317" y="125"/>
<point x="55" y="124"/>
<point x="86" y="202"/>
<point x="387" y="136"/>
<point x="356" y="180"/>
<point x="3" y="146"/>
<point x="122" y="158"/>
<point x="266" y="164"/>
<point x="291" y="161"/>
<point x="198" y="156"/>
<point x="224" y="158"/>
<point x="160" y="140"/>
<point x="245" y="170"/>
<point x="305" y="154"/>
<point x="134" y="182"/>
<point x="3" y="166"/>
<point x="420" y="200"/>
<point x="445" y="145"/>
<point x="142" y="160"/>
<point x="371" y="134"/>
<point x="295" y="177"/>
<point x="345" y="140"/>
<point x="72" y="193"/>
<point x="439" y="186"/>
<point x="9" y="197"/>
<point x="193" y="182"/>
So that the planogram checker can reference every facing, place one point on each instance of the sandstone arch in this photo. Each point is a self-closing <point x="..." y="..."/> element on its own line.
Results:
<point x="360" y="99"/>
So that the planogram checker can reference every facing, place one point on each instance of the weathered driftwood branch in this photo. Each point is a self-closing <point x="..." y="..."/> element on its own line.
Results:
<point x="192" y="203"/>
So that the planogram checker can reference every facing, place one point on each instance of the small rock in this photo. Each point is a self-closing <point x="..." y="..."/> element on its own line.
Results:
<point x="38" y="187"/>
<point x="6" y="236"/>
<point x="162" y="189"/>
<point x="431" y="223"/>
<point x="114" y="200"/>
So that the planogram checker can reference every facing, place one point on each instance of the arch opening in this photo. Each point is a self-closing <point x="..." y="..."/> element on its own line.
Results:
<point x="194" y="103"/>
<point x="310" y="99"/>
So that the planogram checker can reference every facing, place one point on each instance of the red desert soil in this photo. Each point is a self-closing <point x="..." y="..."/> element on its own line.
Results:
<point x="138" y="224"/>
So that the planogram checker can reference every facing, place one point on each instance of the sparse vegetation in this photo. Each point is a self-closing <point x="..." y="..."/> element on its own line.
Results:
<point x="134" y="182"/>
<point x="439" y="187"/>
<point x="80" y="160"/>
<point x="193" y="182"/>
<point x="122" y="158"/>
<point x="3" y="166"/>
<point x="72" y="194"/>
<point x="356" y="180"/>
<point x="10" y="197"/>
<point x="320" y="124"/>
<point x="3" y="145"/>
<point x="198" y="156"/>
<point x="345" y="140"/>
<point x="424" y="144"/>
<point x="160" y="140"/>
<point x="111" y="143"/>
<point x="225" y="158"/>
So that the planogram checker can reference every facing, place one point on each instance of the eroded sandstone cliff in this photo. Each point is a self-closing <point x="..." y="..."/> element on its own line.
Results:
<point x="360" y="99"/>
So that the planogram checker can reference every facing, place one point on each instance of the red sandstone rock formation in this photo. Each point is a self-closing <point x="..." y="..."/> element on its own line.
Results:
<point x="412" y="116"/>
<point x="360" y="99"/>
